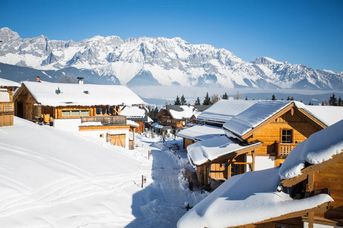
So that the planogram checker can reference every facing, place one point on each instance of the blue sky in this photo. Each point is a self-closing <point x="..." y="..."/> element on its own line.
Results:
<point x="306" y="32"/>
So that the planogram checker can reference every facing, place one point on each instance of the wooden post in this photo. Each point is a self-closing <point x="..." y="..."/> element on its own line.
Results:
<point x="310" y="219"/>
<point x="229" y="171"/>
<point x="253" y="161"/>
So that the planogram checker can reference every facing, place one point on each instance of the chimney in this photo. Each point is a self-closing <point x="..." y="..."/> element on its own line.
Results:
<point x="38" y="79"/>
<point x="80" y="80"/>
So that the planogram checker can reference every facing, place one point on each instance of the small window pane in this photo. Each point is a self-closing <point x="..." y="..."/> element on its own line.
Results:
<point x="66" y="113"/>
<point x="84" y="113"/>
<point x="286" y="136"/>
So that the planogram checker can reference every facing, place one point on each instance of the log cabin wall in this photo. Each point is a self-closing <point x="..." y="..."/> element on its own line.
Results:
<point x="271" y="134"/>
<point x="24" y="104"/>
<point x="330" y="178"/>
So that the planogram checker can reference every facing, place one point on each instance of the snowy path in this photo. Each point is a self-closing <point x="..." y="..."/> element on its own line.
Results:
<point x="161" y="203"/>
<point x="50" y="178"/>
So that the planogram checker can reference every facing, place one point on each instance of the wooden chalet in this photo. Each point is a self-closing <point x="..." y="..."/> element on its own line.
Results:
<point x="138" y="114"/>
<point x="94" y="109"/>
<point x="273" y="127"/>
<point x="7" y="89"/>
<point x="306" y="191"/>
<point x="177" y="116"/>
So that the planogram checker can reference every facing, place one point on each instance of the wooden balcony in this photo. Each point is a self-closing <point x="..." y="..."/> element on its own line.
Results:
<point x="283" y="149"/>
<point x="6" y="113"/>
<point x="6" y="107"/>
<point x="105" y="120"/>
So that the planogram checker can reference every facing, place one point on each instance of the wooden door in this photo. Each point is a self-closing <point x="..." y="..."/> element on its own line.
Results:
<point x="118" y="140"/>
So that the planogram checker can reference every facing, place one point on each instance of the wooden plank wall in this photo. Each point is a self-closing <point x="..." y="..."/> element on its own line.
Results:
<point x="271" y="133"/>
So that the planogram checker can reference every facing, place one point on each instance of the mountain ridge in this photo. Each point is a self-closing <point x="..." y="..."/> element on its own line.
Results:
<point x="158" y="61"/>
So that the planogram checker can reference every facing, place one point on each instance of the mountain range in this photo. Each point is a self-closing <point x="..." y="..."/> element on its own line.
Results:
<point x="150" y="61"/>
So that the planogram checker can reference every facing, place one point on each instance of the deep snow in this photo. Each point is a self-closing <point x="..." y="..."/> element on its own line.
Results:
<point x="53" y="178"/>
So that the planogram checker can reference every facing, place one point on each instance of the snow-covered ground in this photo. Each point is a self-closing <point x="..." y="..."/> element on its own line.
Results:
<point x="53" y="178"/>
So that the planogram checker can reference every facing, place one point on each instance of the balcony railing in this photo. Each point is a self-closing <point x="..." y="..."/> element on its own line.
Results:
<point x="105" y="120"/>
<point x="7" y="107"/>
<point x="283" y="149"/>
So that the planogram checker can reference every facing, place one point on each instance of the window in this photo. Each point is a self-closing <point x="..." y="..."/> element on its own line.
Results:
<point x="287" y="136"/>
<point x="74" y="113"/>
<point x="98" y="110"/>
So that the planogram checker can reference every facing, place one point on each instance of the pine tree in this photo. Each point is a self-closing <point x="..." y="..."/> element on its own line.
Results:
<point x="225" y="96"/>
<point x="207" y="100"/>
<point x="197" y="101"/>
<point x="183" y="100"/>
<point x="333" y="100"/>
<point x="273" y="97"/>
<point x="177" y="101"/>
<point x="339" y="102"/>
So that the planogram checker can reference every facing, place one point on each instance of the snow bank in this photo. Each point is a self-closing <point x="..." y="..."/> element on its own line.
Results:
<point x="52" y="178"/>
<point x="319" y="147"/>
<point x="245" y="199"/>
<point x="67" y="94"/>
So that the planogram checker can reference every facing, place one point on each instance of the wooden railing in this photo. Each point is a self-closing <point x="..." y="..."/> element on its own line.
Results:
<point x="7" y="107"/>
<point x="283" y="149"/>
<point x="6" y="113"/>
<point x="105" y="120"/>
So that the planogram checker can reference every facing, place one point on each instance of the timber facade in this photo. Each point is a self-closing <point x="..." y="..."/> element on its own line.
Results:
<point x="327" y="178"/>
<point x="103" y="121"/>
<point x="277" y="135"/>
<point x="6" y="105"/>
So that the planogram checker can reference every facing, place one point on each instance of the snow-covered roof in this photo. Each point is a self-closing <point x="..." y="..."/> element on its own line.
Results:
<point x="133" y="111"/>
<point x="132" y="123"/>
<point x="319" y="147"/>
<point x="213" y="148"/>
<point x="4" y="95"/>
<point x="185" y="112"/>
<point x="224" y="110"/>
<point x="200" y="132"/>
<point x="253" y="116"/>
<point x="8" y="83"/>
<point x="65" y="94"/>
<point x="245" y="199"/>
<point x="326" y="114"/>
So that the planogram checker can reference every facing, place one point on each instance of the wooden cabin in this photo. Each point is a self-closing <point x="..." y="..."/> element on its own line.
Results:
<point x="177" y="116"/>
<point x="138" y="114"/>
<point x="81" y="107"/>
<point x="7" y="89"/>
<point x="306" y="191"/>
<point x="278" y="126"/>
<point x="326" y="177"/>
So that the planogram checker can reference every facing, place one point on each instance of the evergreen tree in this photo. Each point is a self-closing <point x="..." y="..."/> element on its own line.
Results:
<point x="207" y="100"/>
<point x="225" y="96"/>
<point x="183" y="100"/>
<point x="197" y="101"/>
<point x="333" y="100"/>
<point x="177" y="101"/>
<point x="273" y="97"/>
<point x="339" y="102"/>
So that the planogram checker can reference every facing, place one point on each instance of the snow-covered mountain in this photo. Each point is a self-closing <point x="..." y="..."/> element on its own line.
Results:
<point x="153" y="61"/>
